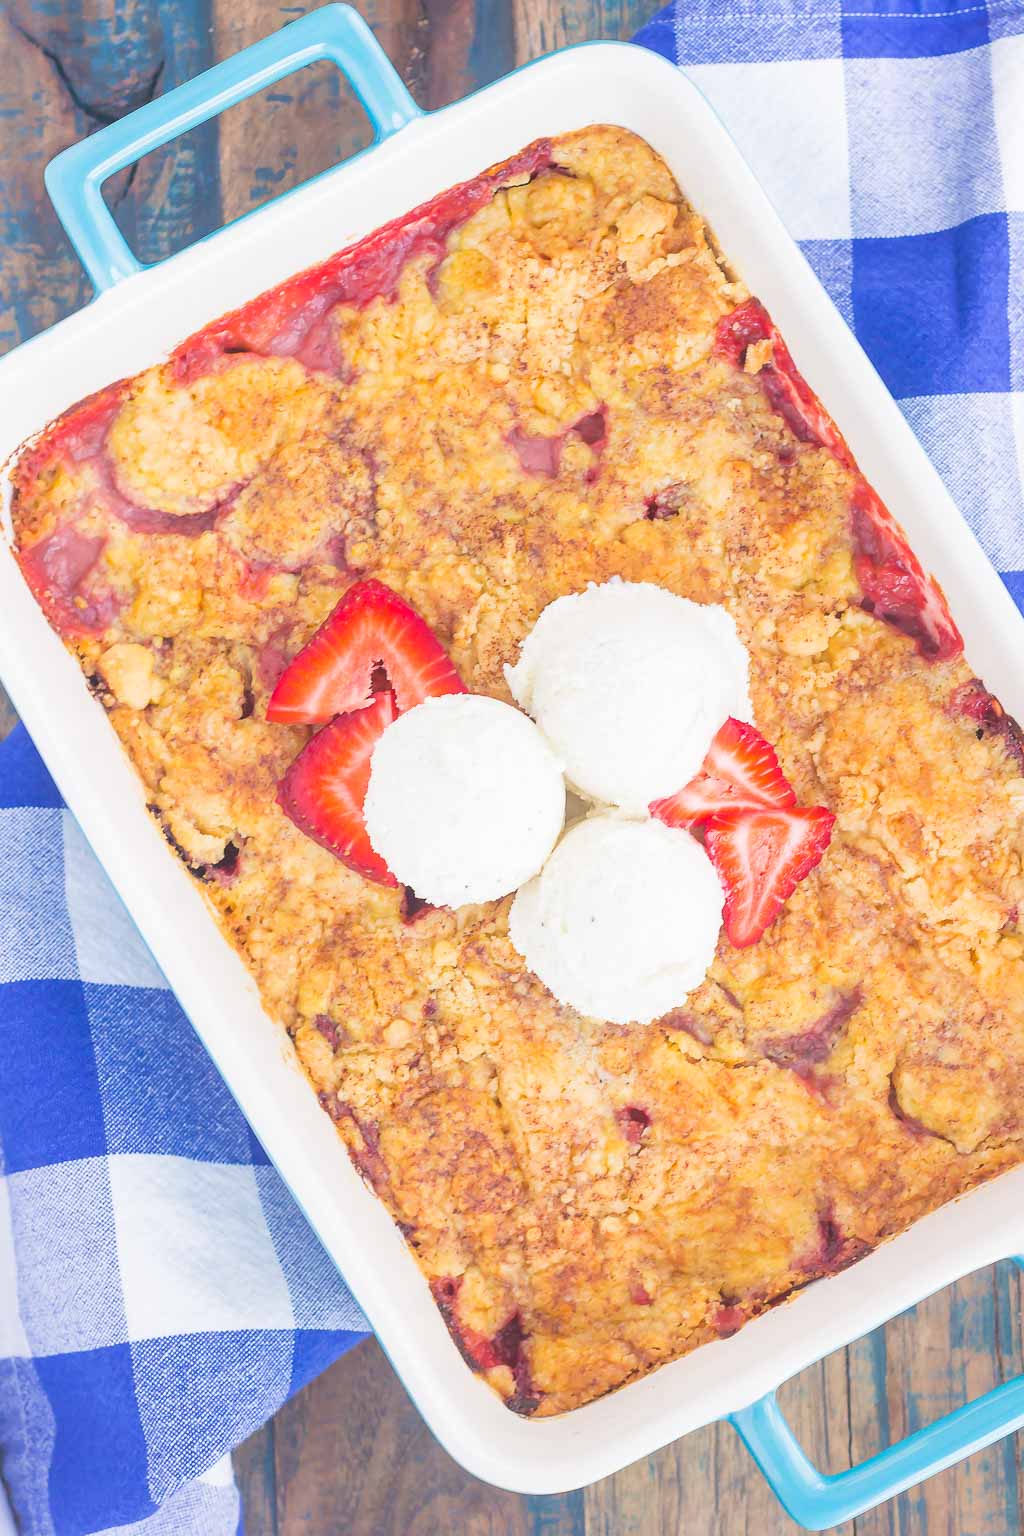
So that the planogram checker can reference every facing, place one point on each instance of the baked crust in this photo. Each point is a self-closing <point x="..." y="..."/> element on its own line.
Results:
<point x="539" y="396"/>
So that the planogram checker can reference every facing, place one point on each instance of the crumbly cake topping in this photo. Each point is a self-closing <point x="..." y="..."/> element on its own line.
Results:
<point x="548" y="380"/>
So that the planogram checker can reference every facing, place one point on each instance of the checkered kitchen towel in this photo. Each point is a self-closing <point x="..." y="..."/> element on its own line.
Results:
<point x="159" y="1294"/>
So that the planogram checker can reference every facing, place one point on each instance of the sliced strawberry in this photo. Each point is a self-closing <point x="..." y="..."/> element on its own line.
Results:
<point x="740" y="772"/>
<point x="761" y="857"/>
<point x="371" y="627"/>
<point x="324" y="789"/>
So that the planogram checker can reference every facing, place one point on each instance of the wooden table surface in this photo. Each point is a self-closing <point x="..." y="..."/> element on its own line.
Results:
<point x="350" y="1456"/>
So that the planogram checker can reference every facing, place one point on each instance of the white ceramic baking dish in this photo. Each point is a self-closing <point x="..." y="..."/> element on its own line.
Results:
<point x="135" y="320"/>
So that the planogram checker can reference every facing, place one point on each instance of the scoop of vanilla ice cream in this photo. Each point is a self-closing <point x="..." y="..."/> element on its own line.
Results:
<point x="630" y="683"/>
<point x="622" y="922"/>
<point x="465" y="800"/>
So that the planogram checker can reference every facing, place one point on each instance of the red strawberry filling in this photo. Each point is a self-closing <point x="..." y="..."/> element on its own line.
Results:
<point x="667" y="502"/>
<point x="294" y="319"/>
<point x="792" y="398"/>
<point x="66" y="557"/>
<point x="537" y="455"/>
<point x="506" y="1347"/>
<point x="56" y="569"/>
<point x="413" y="906"/>
<point x="444" y="1291"/>
<point x="324" y="789"/>
<point x="372" y="627"/>
<point x="366" y="1157"/>
<point x="81" y="438"/>
<point x="740" y="328"/>
<point x="915" y="1126"/>
<point x="208" y="874"/>
<point x="740" y="772"/>
<point x="319" y="349"/>
<point x="893" y="583"/>
<point x="633" y="1122"/>
<point x="77" y="435"/>
<point x="835" y="1250"/>
<point x="811" y="1046"/>
<point x="307" y="332"/>
<point x="761" y="857"/>
<point x="272" y="656"/>
<point x="151" y="519"/>
<point x="592" y="429"/>
<point x="226" y="869"/>
<point x="254" y="580"/>
<point x="972" y="701"/>
<point x="334" y="1033"/>
<point x="541" y="455"/>
<point x="688" y="1024"/>
<point x="728" y="1320"/>
<point x="784" y="386"/>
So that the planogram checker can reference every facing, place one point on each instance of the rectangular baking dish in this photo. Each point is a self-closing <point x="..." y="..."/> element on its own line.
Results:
<point x="136" y="318"/>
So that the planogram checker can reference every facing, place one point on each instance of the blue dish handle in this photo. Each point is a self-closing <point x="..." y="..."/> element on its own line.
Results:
<point x="818" y="1502"/>
<point x="75" y="177"/>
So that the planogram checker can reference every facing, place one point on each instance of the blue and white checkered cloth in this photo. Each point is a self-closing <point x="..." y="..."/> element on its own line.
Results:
<point x="160" y="1295"/>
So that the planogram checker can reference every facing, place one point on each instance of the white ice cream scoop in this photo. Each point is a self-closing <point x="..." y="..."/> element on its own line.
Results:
<point x="622" y="922"/>
<point x="466" y="799"/>
<point x="630" y="683"/>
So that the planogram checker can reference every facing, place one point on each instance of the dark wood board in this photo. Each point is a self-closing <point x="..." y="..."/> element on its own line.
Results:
<point x="350" y="1456"/>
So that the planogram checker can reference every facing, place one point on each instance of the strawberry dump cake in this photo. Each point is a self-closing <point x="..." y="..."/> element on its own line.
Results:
<point x="359" y="493"/>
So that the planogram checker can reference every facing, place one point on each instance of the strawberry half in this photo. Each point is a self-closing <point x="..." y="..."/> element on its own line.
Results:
<point x="324" y="789"/>
<point x="761" y="857"/>
<point x="371" y="627"/>
<point x="740" y="773"/>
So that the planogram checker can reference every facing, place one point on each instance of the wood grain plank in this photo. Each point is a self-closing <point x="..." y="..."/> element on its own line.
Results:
<point x="299" y="127"/>
<point x="703" y="1485"/>
<point x="466" y="45"/>
<point x="256" y="1475"/>
<point x="172" y="197"/>
<point x="984" y="1488"/>
<point x="40" y="279"/>
<point x="541" y="25"/>
<point x="442" y="48"/>
<point x="69" y="70"/>
<point x="8" y="719"/>
<point x="869" y="1427"/>
<point x="1010" y="1349"/>
<point x="707" y="1485"/>
<point x="353" y="1455"/>
<point x="951" y="1348"/>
